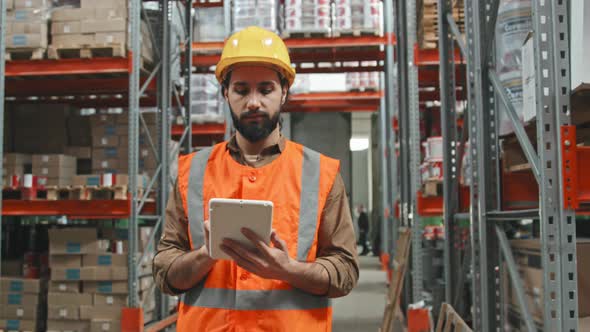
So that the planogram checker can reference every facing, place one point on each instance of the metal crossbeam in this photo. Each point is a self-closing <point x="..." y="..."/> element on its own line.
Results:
<point x="456" y="32"/>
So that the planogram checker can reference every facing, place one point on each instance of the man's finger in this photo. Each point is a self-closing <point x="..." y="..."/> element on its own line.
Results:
<point x="277" y="241"/>
<point x="240" y="261"/>
<point x="245" y="253"/>
<point x="257" y="241"/>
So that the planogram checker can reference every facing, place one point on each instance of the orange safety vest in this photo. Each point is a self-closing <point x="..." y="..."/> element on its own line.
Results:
<point x="230" y="298"/>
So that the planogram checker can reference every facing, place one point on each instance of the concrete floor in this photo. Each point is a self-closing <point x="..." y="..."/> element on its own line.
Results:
<point x="362" y="309"/>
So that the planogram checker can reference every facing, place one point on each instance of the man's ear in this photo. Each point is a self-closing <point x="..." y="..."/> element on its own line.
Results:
<point x="284" y="95"/>
<point x="224" y="93"/>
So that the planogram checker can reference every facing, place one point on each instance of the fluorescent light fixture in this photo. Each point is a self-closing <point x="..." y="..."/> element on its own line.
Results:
<point x="359" y="143"/>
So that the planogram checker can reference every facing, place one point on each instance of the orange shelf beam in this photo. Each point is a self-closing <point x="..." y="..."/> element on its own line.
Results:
<point x="207" y="4"/>
<point x="74" y="209"/>
<point x="434" y="206"/>
<point x="20" y="68"/>
<point x="335" y="102"/>
<point x="200" y="129"/>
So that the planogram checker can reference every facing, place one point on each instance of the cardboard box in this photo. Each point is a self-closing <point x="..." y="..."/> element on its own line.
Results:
<point x="73" y="241"/>
<point x="18" y="325"/>
<point x="103" y="119"/>
<point x="104" y="325"/>
<point x="66" y="274"/>
<point x="19" y="299"/>
<point x="528" y="259"/>
<point x="55" y="172"/>
<point x="72" y="40"/>
<point x="80" y="152"/>
<point x="100" y="312"/>
<point x="66" y="27"/>
<point x="53" y="160"/>
<point x="65" y="312"/>
<point x="71" y="14"/>
<point x="110" y="13"/>
<point x="64" y="286"/>
<point x="26" y="41"/>
<point x="17" y="159"/>
<point x="103" y="273"/>
<point x="26" y="15"/>
<point x="102" y="4"/>
<point x="59" y="299"/>
<point x="65" y="261"/>
<point x="105" y="287"/>
<point x="67" y="325"/>
<point x="105" y="166"/>
<point x="9" y="5"/>
<point x="110" y="153"/>
<point x="58" y="182"/>
<point x="31" y="4"/>
<point x="99" y="141"/>
<point x="20" y="285"/>
<point x="104" y="260"/>
<point x="107" y="129"/>
<point x="19" y="312"/>
<point x="110" y="38"/>
<point x="111" y="25"/>
<point x="119" y="300"/>
<point x="28" y="27"/>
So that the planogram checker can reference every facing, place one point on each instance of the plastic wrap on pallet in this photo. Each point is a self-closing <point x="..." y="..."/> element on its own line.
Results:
<point x="308" y="16"/>
<point x="207" y="102"/>
<point x="362" y="81"/>
<point x="352" y="16"/>
<point x="514" y="23"/>
<point x="209" y="25"/>
<point x="301" y="84"/>
<point x="262" y="13"/>
<point x="26" y="25"/>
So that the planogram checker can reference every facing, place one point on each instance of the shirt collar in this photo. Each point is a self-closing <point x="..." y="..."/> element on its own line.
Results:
<point x="232" y="145"/>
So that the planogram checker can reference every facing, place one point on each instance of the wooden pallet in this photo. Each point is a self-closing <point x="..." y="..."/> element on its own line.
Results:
<point x="356" y="33"/>
<point x="365" y="89"/>
<point x="24" y="194"/>
<point x="450" y="321"/>
<point x="392" y="315"/>
<point x="25" y="54"/>
<point x="433" y="188"/>
<point x="427" y="13"/>
<point x="86" y="51"/>
<point x="307" y="33"/>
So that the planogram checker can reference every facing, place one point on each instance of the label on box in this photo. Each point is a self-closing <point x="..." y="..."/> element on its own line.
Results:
<point x="105" y="287"/>
<point x="44" y="171"/>
<point x="104" y="141"/>
<point x="15" y="299"/>
<point x="13" y="324"/>
<point x="63" y="312"/>
<point x="105" y="260"/>
<point x="45" y="158"/>
<point x="106" y="326"/>
<point x="19" y="40"/>
<point x="28" y="3"/>
<point x="73" y="247"/>
<point x="110" y="39"/>
<point x="63" y="287"/>
<point x="20" y="312"/>
<point x="73" y="274"/>
<point x="16" y="286"/>
<point x="20" y="15"/>
<point x="110" y="300"/>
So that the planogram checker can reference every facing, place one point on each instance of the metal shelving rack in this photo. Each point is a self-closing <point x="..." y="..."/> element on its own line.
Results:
<point x="556" y="216"/>
<point x="109" y="77"/>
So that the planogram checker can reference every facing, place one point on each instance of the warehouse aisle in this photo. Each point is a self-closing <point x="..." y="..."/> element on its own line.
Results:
<point x="362" y="309"/>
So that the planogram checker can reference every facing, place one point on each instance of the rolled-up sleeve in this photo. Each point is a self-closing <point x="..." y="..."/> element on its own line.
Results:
<point x="173" y="243"/>
<point x="337" y="251"/>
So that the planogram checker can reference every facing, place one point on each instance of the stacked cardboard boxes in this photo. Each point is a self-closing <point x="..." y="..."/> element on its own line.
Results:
<point x="22" y="304"/>
<point x="26" y="27"/>
<point x="15" y="164"/>
<point x="94" y="23"/>
<point x="110" y="136"/>
<point x="527" y="255"/>
<point x="57" y="169"/>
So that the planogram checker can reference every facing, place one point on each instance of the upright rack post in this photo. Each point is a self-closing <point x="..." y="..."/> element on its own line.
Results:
<point x="558" y="227"/>
<point x="2" y="90"/>
<point x="451" y="157"/>
<point x="383" y="148"/>
<point x="135" y="53"/>
<point x="188" y="70"/>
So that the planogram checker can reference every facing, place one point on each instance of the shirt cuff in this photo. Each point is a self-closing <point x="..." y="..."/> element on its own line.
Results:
<point x="338" y="284"/>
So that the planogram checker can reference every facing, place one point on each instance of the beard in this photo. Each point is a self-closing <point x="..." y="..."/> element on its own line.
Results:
<point x="255" y="131"/>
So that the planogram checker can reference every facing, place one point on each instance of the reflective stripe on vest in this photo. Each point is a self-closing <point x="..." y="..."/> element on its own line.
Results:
<point x="276" y="299"/>
<point x="257" y="299"/>
<point x="195" y="196"/>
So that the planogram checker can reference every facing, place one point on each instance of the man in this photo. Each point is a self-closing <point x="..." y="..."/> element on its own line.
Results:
<point x="312" y="257"/>
<point x="363" y="222"/>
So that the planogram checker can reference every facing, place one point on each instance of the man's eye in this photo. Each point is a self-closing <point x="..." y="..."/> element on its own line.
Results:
<point x="242" y="92"/>
<point x="265" y="91"/>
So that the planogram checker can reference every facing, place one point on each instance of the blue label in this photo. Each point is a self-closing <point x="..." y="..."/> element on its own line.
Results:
<point x="105" y="260"/>
<point x="16" y="286"/>
<point x="19" y="40"/>
<point x="15" y="299"/>
<point x="111" y="152"/>
<point x="20" y="15"/>
<point x="110" y="130"/>
<point x="73" y="247"/>
<point x="13" y="324"/>
<point x="105" y="287"/>
<point x="73" y="274"/>
<point x="93" y="181"/>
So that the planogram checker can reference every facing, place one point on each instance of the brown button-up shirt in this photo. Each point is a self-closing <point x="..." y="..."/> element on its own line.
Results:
<point x="337" y="251"/>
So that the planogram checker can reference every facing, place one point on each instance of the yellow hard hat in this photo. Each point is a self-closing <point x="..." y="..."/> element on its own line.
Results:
<point x="256" y="46"/>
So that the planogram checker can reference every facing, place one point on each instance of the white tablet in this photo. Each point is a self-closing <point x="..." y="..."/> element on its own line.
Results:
<point x="228" y="216"/>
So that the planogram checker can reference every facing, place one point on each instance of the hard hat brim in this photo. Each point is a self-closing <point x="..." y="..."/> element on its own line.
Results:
<point x="224" y="66"/>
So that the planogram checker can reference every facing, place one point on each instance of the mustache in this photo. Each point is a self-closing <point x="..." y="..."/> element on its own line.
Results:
<point x="254" y="113"/>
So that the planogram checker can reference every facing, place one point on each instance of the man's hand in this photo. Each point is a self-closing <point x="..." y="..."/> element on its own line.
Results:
<point x="265" y="261"/>
<point x="207" y="227"/>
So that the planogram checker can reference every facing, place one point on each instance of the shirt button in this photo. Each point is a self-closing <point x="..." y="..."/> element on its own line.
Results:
<point x="252" y="178"/>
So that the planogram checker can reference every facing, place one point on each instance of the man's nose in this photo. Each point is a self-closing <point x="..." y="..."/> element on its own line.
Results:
<point x="253" y="102"/>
